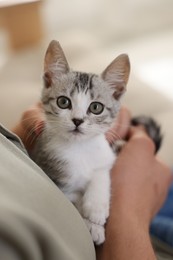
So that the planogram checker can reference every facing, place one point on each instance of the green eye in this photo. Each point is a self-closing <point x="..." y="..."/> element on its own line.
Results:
<point x="64" y="102"/>
<point x="96" y="108"/>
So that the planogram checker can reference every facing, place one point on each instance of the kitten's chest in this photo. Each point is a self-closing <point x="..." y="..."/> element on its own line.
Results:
<point x="89" y="156"/>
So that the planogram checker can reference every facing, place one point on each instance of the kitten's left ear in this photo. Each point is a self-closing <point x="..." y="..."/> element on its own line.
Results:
<point x="117" y="74"/>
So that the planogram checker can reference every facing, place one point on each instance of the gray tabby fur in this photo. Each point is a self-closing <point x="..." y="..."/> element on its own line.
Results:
<point x="78" y="158"/>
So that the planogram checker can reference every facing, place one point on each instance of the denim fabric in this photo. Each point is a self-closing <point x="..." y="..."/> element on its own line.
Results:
<point x="162" y="225"/>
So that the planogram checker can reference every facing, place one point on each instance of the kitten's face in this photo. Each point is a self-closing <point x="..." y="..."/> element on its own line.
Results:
<point x="80" y="105"/>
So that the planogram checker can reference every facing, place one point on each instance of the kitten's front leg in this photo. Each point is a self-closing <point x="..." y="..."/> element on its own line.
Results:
<point x="95" y="205"/>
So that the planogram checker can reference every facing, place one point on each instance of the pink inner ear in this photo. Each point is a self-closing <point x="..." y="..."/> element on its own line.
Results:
<point x="47" y="79"/>
<point x="118" y="91"/>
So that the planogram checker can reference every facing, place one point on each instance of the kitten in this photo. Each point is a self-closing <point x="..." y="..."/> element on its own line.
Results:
<point x="72" y="149"/>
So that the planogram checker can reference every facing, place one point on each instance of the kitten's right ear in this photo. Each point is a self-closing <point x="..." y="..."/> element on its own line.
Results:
<point x="55" y="63"/>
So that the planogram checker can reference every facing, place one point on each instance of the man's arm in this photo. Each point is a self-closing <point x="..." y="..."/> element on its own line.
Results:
<point x="126" y="239"/>
<point x="139" y="186"/>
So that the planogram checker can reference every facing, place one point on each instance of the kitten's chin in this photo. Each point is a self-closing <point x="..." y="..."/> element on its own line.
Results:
<point x="77" y="136"/>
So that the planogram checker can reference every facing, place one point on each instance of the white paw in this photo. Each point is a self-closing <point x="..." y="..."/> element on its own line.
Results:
<point x="95" y="218"/>
<point x="97" y="232"/>
<point x="95" y="213"/>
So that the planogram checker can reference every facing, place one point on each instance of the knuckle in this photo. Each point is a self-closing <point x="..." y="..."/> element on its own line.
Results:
<point x="145" y="142"/>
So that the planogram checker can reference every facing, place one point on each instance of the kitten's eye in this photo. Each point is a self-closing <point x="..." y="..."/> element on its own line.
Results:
<point x="64" y="102"/>
<point x="96" y="108"/>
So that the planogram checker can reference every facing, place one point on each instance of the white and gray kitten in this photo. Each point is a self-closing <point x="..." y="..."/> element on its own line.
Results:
<point x="72" y="149"/>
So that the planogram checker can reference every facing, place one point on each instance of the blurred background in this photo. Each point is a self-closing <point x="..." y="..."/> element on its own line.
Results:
<point x="92" y="33"/>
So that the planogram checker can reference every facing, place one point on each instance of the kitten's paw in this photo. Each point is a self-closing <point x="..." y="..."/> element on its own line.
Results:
<point x="95" y="213"/>
<point x="117" y="146"/>
<point x="97" y="232"/>
<point x="95" y="218"/>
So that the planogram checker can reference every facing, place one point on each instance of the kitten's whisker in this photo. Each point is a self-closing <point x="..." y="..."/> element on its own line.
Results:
<point x="33" y="137"/>
<point x="28" y="132"/>
<point x="114" y="135"/>
<point x="29" y="118"/>
<point x="59" y="124"/>
<point x="112" y="132"/>
<point x="31" y="133"/>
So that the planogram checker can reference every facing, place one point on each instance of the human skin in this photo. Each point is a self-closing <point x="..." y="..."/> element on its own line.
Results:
<point x="30" y="125"/>
<point x="139" y="182"/>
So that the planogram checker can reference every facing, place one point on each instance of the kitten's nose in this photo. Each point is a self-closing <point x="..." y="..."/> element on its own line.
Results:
<point x="77" y="121"/>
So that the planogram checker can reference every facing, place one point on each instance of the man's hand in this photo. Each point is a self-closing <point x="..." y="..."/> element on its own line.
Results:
<point x="30" y="125"/>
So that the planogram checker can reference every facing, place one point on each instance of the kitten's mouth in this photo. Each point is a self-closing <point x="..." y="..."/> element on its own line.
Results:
<point x="76" y="131"/>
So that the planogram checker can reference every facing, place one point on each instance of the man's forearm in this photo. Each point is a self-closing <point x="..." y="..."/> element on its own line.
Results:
<point x="126" y="239"/>
<point x="138" y="190"/>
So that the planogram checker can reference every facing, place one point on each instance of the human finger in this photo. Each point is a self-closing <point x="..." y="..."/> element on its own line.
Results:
<point x="138" y="134"/>
<point x="33" y="119"/>
<point x="120" y="127"/>
<point x="30" y="125"/>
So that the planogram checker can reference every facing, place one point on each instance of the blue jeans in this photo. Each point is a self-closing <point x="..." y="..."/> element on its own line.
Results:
<point x="162" y="225"/>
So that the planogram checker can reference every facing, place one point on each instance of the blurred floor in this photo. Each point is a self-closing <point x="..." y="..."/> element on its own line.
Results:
<point x="92" y="33"/>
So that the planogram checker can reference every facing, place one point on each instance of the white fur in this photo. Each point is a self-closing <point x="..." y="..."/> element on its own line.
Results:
<point x="88" y="169"/>
<point x="89" y="160"/>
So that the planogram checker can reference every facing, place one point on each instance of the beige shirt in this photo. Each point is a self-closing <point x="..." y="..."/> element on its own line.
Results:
<point x="36" y="220"/>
